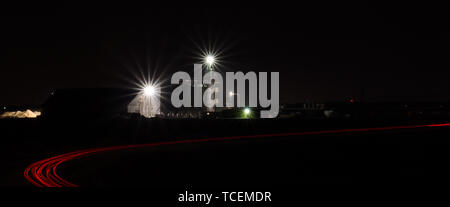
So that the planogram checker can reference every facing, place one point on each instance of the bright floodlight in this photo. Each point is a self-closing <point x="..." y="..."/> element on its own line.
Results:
<point x="209" y="60"/>
<point x="246" y="111"/>
<point x="149" y="91"/>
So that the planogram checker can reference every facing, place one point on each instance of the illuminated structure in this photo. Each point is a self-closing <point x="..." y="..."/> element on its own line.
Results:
<point x="147" y="103"/>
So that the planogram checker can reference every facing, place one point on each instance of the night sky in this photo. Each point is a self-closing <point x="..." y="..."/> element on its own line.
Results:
<point x="323" y="52"/>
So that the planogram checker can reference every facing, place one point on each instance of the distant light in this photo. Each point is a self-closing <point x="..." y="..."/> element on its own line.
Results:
<point x="247" y="111"/>
<point x="149" y="91"/>
<point x="4" y="108"/>
<point x="231" y="93"/>
<point x="210" y="60"/>
<point x="20" y="114"/>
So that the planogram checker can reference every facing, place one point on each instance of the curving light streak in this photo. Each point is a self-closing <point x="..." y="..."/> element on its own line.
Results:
<point x="43" y="173"/>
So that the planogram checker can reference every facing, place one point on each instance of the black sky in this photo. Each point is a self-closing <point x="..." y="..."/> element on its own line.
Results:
<point x="323" y="52"/>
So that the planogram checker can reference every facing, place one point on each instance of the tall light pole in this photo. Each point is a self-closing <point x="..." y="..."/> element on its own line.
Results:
<point x="210" y="60"/>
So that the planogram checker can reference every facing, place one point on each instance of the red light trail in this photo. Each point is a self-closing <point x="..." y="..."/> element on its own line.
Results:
<point x="43" y="173"/>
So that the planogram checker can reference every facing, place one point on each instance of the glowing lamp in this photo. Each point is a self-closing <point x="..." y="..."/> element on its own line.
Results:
<point x="149" y="91"/>
<point x="209" y="60"/>
<point x="247" y="111"/>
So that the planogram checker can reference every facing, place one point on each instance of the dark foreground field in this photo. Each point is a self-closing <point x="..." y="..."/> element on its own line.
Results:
<point x="381" y="160"/>
<point x="361" y="158"/>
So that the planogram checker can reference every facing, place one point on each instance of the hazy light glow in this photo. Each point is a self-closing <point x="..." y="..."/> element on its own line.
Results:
<point x="149" y="90"/>
<point x="209" y="59"/>
<point x="247" y="111"/>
